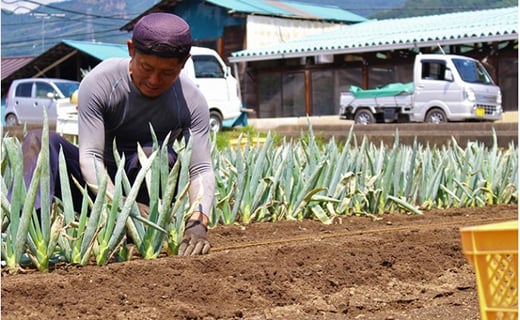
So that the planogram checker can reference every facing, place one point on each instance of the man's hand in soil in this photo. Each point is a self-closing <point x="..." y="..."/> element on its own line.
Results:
<point x="195" y="240"/>
<point x="144" y="210"/>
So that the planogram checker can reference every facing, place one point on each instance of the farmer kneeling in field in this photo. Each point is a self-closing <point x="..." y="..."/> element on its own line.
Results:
<point x="120" y="99"/>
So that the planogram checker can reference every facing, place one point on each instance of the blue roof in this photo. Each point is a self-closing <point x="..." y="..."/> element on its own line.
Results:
<point x="392" y="34"/>
<point x="99" y="50"/>
<point x="289" y="9"/>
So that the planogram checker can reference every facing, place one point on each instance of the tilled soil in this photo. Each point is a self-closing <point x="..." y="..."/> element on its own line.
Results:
<point x="394" y="267"/>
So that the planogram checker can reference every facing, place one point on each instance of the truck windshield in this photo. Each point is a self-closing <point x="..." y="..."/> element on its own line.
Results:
<point x="472" y="71"/>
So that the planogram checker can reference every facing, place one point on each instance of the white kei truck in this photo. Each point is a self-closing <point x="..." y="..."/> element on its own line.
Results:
<point x="211" y="75"/>
<point x="445" y="87"/>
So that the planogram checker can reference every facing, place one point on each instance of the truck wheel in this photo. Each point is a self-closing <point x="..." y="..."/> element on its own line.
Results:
<point x="215" y="121"/>
<point x="364" y="116"/>
<point x="436" y="115"/>
<point x="11" y="120"/>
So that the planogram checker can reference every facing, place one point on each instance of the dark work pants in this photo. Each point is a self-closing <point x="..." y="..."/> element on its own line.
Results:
<point x="31" y="147"/>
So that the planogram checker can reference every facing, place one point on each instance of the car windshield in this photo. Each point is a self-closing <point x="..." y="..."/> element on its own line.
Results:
<point x="207" y="66"/>
<point x="472" y="71"/>
<point x="67" y="88"/>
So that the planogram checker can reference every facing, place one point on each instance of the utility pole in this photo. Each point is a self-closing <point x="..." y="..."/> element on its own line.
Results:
<point x="90" y="28"/>
<point x="43" y="17"/>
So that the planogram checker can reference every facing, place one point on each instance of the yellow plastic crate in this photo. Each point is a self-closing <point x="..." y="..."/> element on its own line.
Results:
<point x="492" y="250"/>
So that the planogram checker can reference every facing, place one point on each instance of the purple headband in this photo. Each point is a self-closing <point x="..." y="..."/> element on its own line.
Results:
<point x="162" y="34"/>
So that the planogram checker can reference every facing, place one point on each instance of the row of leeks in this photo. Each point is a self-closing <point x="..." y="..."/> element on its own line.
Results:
<point x="268" y="181"/>
<point x="100" y="230"/>
<point x="302" y="179"/>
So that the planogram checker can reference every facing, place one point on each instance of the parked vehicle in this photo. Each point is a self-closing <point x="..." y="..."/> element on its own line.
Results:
<point x="444" y="88"/>
<point x="214" y="79"/>
<point x="26" y="99"/>
<point x="3" y="111"/>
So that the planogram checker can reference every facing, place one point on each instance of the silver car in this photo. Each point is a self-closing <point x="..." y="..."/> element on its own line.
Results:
<point x="26" y="99"/>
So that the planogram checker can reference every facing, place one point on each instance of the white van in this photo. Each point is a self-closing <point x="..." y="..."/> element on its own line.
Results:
<point x="214" y="79"/>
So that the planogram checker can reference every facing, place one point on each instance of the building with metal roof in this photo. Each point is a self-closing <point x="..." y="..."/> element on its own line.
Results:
<point x="10" y="65"/>
<point x="65" y="60"/>
<point x="305" y="76"/>
<point x="232" y="25"/>
<point x="99" y="50"/>
<point x="396" y="34"/>
<point x="280" y="8"/>
<point x="289" y="9"/>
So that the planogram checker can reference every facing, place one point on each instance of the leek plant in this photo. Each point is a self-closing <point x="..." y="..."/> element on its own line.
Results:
<point x="29" y="231"/>
<point x="241" y="187"/>
<point x="178" y="211"/>
<point x="18" y="212"/>
<point x="102" y="226"/>
<point x="76" y="241"/>
<point x="251" y="188"/>
<point x="114" y="221"/>
<point x="43" y="230"/>
<point x="164" y="225"/>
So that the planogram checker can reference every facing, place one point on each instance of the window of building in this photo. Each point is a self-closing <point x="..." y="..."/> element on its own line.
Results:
<point x="327" y="86"/>
<point x="269" y="95"/>
<point x="293" y="93"/>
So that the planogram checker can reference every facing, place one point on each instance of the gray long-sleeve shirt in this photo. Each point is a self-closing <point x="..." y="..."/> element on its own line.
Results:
<point x="110" y="107"/>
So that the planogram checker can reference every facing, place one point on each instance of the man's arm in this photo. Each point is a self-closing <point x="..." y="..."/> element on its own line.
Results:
<point x="202" y="177"/>
<point x="91" y="131"/>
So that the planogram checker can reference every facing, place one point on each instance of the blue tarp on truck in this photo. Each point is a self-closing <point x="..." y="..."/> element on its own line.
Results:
<point x="392" y="89"/>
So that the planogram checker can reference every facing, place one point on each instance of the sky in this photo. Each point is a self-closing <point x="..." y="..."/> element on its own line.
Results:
<point x="20" y="6"/>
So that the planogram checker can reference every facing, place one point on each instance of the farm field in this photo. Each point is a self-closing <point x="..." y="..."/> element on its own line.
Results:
<point x="395" y="267"/>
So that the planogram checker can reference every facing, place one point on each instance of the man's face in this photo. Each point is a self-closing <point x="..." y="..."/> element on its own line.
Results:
<point x="153" y="75"/>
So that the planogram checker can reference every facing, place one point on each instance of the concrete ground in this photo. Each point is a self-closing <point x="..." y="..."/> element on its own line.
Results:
<point x="505" y="130"/>
<point x="266" y="124"/>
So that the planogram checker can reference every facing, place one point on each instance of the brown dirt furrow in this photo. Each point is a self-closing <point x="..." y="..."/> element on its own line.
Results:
<point x="395" y="267"/>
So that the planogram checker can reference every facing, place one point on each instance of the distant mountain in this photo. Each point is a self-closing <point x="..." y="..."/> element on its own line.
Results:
<point x="366" y="8"/>
<point x="415" y="8"/>
<point x="385" y="9"/>
<point x="32" y="33"/>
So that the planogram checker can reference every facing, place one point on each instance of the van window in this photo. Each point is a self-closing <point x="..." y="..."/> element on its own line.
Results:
<point x="24" y="90"/>
<point x="207" y="66"/>
<point x="42" y="89"/>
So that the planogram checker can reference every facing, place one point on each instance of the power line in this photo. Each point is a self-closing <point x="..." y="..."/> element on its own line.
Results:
<point x="62" y="18"/>
<point x="72" y="20"/>
<point x="70" y="36"/>
<point x="116" y="16"/>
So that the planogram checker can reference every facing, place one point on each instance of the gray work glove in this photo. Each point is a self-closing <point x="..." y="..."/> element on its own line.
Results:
<point x="195" y="240"/>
